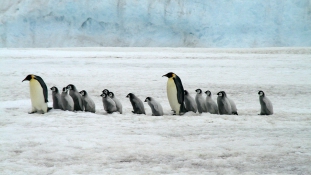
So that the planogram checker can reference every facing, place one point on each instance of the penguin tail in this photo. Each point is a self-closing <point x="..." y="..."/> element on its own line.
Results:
<point x="235" y="113"/>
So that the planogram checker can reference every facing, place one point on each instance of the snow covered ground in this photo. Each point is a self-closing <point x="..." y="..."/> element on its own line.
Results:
<point x="84" y="143"/>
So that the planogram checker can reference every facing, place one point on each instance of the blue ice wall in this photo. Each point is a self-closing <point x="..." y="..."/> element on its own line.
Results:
<point x="162" y="23"/>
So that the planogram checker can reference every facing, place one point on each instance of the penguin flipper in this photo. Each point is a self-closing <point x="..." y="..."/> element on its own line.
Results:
<point x="180" y="90"/>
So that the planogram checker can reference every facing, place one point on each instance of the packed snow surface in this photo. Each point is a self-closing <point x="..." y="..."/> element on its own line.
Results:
<point x="155" y="23"/>
<point x="62" y="142"/>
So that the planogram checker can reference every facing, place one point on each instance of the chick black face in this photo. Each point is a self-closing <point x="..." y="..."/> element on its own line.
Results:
<point x="148" y="99"/>
<point x="199" y="91"/>
<point x="54" y="89"/>
<point x="105" y="91"/>
<point x="221" y="93"/>
<point x="71" y="87"/>
<point x="261" y="93"/>
<point x="65" y="89"/>
<point x="111" y="94"/>
<point x="103" y="95"/>
<point x="83" y="92"/>
<point x="208" y="93"/>
<point x="130" y="95"/>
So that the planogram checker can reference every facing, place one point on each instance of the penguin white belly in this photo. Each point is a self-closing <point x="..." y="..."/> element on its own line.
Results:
<point x="172" y="95"/>
<point x="37" y="97"/>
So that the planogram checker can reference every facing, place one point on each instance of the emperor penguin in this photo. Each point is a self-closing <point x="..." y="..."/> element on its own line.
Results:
<point x="265" y="103"/>
<point x="200" y="101"/>
<point x="155" y="106"/>
<point x="67" y="101"/>
<point x="57" y="103"/>
<point x="108" y="103"/>
<point x="137" y="104"/>
<point x="234" y="110"/>
<point x="106" y="91"/>
<point x="77" y="99"/>
<point x="38" y="94"/>
<point x="224" y="106"/>
<point x="118" y="103"/>
<point x="175" y="93"/>
<point x="190" y="103"/>
<point x="88" y="103"/>
<point x="210" y="103"/>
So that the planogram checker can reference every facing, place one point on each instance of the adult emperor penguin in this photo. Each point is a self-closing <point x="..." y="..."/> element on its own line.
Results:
<point x="77" y="99"/>
<point x="137" y="104"/>
<point x="175" y="93"/>
<point x="190" y="103"/>
<point x="200" y="101"/>
<point x="57" y="103"/>
<point x="224" y="106"/>
<point x="38" y="94"/>
<point x="118" y="103"/>
<point x="265" y="103"/>
<point x="108" y="103"/>
<point x="155" y="106"/>
<point x="88" y="103"/>
<point x="210" y="103"/>
<point x="67" y="101"/>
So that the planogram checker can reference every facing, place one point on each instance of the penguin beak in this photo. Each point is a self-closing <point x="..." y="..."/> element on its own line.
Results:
<point x="164" y="75"/>
<point x="146" y="100"/>
<point x="127" y="96"/>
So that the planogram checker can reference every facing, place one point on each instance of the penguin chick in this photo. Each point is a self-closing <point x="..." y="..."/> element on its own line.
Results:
<point x="88" y="103"/>
<point x="138" y="106"/>
<point x="38" y="94"/>
<point x="175" y="93"/>
<point x="66" y="100"/>
<point x="265" y="104"/>
<point x="200" y="101"/>
<point x="118" y="103"/>
<point x="210" y="103"/>
<point x="156" y="107"/>
<point x="108" y="103"/>
<point x="234" y="110"/>
<point x="77" y="99"/>
<point x="57" y="103"/>
<point x="106" y="91"/>
<point x="224" y="106"/>
<point x="190" y="104"/>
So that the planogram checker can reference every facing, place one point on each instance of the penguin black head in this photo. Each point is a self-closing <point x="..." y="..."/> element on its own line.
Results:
<point x="261" y="93"/>
<point x="111" y="94"/>
<point x="83" y="93"/>
<point x="199" y="91"/>
<point x="29" y="77"/>
<point x="105" y="91"/>
<point x="130" y="95"/>
<point x="65" y="89"/>
<point x="186" y="92"/>
<point x="170" y="75"/>
<point x="104" y="95"/>
<point x="54" y="89"/>
<point x="208" y="93"/>
<point x="148" y="99"/>
<point x="71" y="87"/>
<point x="222" y="94"/>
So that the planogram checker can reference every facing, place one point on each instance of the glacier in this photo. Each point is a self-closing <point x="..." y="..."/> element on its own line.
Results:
<point x="155" y="23"/>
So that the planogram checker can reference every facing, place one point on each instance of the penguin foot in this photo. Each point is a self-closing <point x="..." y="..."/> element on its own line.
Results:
<point x="32" y="112"/>
<point x="235" y="113"/>
<point x="49" y="108"/>
<point x="134" y="112"/>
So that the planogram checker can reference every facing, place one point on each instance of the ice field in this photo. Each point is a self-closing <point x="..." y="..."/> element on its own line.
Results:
<point x="62" y="142"/>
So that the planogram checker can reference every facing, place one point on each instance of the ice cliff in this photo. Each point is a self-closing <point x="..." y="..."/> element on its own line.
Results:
<point x="159" y="23"/>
